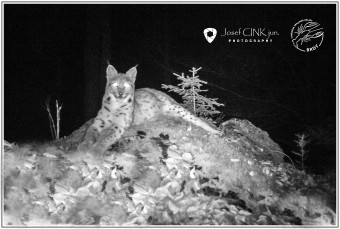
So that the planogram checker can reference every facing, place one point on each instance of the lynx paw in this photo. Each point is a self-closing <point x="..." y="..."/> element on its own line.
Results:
<point x="98" y="149"/>
<point x="85" y="146"/>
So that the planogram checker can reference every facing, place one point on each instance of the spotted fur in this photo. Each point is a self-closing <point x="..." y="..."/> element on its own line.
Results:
<point x="123" y="106"/>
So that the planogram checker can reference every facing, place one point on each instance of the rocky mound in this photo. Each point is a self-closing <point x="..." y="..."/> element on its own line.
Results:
<point x="165" y="172"/>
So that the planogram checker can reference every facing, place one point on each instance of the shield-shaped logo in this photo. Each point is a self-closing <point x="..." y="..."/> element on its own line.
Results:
<point x="210" y="34"/>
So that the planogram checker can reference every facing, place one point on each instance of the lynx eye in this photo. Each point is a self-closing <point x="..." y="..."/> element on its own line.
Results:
<point x="115" y="85"/>
<point x="126" y="85"/>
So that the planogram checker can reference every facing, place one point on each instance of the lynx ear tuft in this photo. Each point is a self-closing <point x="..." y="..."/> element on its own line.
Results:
<point x="132" y="73"/>
<point x="110" y="71"/>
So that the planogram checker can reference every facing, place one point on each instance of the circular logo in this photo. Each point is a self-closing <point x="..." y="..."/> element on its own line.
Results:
<point x="307" y="35"/>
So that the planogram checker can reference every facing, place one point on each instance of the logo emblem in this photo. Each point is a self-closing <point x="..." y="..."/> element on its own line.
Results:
<point x="210" y="34"/>
<point x="307" y="35"/>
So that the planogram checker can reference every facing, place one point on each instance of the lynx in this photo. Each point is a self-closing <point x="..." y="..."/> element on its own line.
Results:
<point x="123" y="106"/>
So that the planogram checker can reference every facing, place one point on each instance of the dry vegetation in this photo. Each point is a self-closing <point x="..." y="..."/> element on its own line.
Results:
<point x="164" y="173"/>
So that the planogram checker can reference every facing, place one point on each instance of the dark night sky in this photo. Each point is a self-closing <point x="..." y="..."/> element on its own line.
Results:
<point x="274" y="85"/>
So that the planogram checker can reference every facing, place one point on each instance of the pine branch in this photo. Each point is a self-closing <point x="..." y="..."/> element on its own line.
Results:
<point x="191" y="92"/>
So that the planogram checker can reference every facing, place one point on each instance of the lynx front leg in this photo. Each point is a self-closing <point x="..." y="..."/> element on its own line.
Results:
<point x="107" y="138"/>
<point x="92" y="134"/>
<point x="89" y="139"/>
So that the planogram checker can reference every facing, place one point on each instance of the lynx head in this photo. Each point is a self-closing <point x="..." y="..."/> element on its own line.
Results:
<point x="119" y="84"/>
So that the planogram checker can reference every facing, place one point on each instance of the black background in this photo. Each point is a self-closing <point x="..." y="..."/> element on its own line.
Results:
<point x="277" y="87"/>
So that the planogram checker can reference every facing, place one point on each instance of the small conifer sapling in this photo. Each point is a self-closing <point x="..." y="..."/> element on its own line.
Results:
<point x="191" y="92"/>
<point x="301" y="142"/>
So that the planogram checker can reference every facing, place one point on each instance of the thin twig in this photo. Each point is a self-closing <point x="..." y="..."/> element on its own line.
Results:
<point x="52" y="126"/>
<point x="58" y="118"/>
